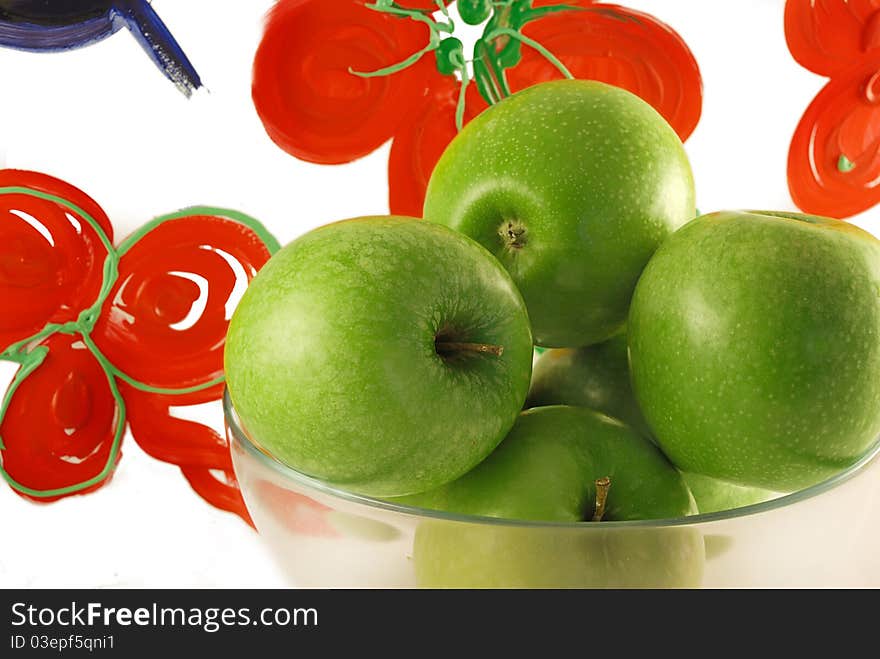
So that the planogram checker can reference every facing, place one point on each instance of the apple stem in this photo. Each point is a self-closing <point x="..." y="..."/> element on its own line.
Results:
<point x="448" y="347"/>
<point x="513" y="234"/>
<point x="602" y="486"/>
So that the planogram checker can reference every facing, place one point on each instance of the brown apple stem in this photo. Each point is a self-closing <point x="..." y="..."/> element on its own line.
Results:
<point x="602" y="486"/>
<point x="447" y="347"/>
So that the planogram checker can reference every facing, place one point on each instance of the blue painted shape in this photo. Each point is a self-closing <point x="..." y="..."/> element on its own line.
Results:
<point x="59" y="25"/>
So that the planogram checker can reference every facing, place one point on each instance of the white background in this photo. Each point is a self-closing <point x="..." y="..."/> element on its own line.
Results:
<point x="104" y="119"/>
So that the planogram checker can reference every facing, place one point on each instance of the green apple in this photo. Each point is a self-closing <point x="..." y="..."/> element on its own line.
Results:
<point x="449" y="554"/>
<point x="755" y="347"/>
<point x="573" y="185"/>
<point x="549" y="469"/>
<point x="546" y="469"/>
<point x="385" y="355"/>
<point x="713" y="495"/>
<point x="597" y="377"/>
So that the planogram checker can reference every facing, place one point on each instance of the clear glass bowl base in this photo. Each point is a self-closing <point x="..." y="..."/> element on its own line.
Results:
<point x="825" y="536"/>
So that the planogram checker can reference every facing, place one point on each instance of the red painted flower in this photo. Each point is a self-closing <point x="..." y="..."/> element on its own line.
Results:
<point x="621" y="47"/>
<point x="834" y="158"/>
<point x="51" y="258"/>
<point x="110" y="336"/>
<point x="63" y="426"/>
<point x="316" y="108"/>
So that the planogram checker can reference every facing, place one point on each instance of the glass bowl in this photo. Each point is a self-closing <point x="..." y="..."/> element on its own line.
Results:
<point x="324" y="537"/>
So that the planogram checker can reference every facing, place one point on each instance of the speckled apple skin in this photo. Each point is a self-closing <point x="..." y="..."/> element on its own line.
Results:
<point x="592" y="176"/>
<point x="331" y="363"/>
<point x="597" y="377"/>
<point x="546" y="469"/>
<point x="755" y="347"/>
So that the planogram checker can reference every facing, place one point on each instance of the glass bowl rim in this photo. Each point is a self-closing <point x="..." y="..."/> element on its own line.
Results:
<point x="238" y="433"/>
